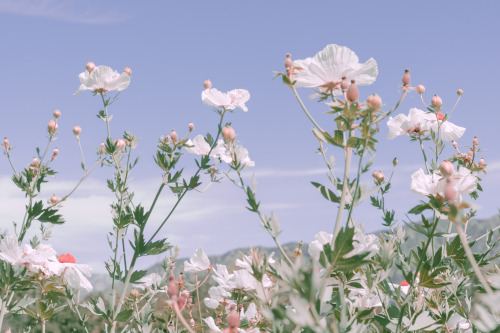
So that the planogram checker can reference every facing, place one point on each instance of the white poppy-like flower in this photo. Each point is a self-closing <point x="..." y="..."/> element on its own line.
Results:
<point x="211" y="324"/>
<point x="34" y="259"/>
<point x="103" y="79"/>
<point x="326" y="69"/>
<point x="217" y="295"/>
<point x="250" y="313"/>
<point x="362" y="243"/>
<point x="231" y="100"/>
<point x="198" y="262"/>
<point x="464" y="182"/>
<point x="71" y="272"/>
<point x="201" y="147"/>
<point x="238" y="153"/>
<point x="148" y="281"/>
<point x="448" y="131"/>
<point x="416" y="121"/>
<point x="247" y="260"/>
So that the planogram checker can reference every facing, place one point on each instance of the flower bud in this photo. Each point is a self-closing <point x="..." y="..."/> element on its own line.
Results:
<point x="344" y="84"/>
<point x="90" y="66"/>
<point x="233" y="319"/>
<point x="55" y="152"/>
<point x="420" y="88"/>
<point x="440" y="116"/>
<point x="481" y="163"/>
<point x="207" y="84"/>
<point x="36" y="161"/>
<point x="460" y="92"/>
<point x="174" y="136"/>
<point x="395" y="161"/>
<point x="191" y="322"/>
<point x="77" y="130"/>
<point x="449" y="192"/>
<point x="436" y="102"/>
<point x="213" y="169"/>
<point x="102" y="147"/>
<point x="446" y="168"/>
<point x="57" y="113"/>
<point x="120" y="143"/>
<point x="352" y="92"/>
<point x="288" y="61"/>
<point x="172" y="288"/>
<point x="469" y="156"/>
<point x="6" y="143"/>
<point x="297" y="252"/>
<point x="228" y="133"/>
<point x="378" y="176"/>
<point x="52" y="126"/>
<point x="406" y="77"/>
<point x="475" y="142"/>
<point x="127" y="70"/>
<point x="191" y="126"/>
<point x="455" y="144"/>
<point x="54" y="199"/>
<point x="374" y="102"/>
<point x="134" y="293"/>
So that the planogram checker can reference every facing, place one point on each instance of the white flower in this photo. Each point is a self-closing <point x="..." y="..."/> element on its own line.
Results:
<point x="237" y="153"/>
<point x="448" y="131"/>
<point x="250" y="313"/>
<point x="201" y="147"/>
<point x="416" y="121"/>
<point x="103" y="79"/>
<point x="73" y="274"/>
<point x="464" y="182"/>
<point x="247" y="260"/>
<point x="34" y="259"/>
<point x="235" y="98"/>
<point x="198" y="262"/>
<point x="457" y="320"/>
<point x="326" y="69"/>
<point x="217" y="296"/>
<point x="211" y="324"/>
<point x="148" y="281"/>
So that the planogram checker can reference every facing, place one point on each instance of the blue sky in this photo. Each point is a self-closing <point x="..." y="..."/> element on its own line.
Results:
<point x="172" y="47"/>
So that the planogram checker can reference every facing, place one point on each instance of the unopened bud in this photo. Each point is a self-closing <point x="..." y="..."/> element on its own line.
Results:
<point x="297" y="252"/>
<point x="6" y="143"/>
<point x="406" y="77"/>
<point x="77" y="130"/>
<point x="436" y="102"/>
<point x="191" y="322"/>
<point x="460" y="92"/>
<point x="134" y="293"/>
<point x="55" y="152"/>
<point x="191" y="126"/>
<point x="207" y="84"/>
<point x="344" y="84"/>
<point x="395" y="161"/>
<point x="54" y="199"/>
<point x="52" y="126"/>
<point x="446" y="168"/>
<point x="420" y="88"/>
<point x="449" y="192"/>
<point x="57" y="113"/>
<point x="374" y="102"/>
<point x="378" y="176"/>
<point x="469" y="155"/>
<point x="352" y="92"/>
<point x="481" y="163"/>
<point x="90" y="66"/>
<point x="288" y="61"/>
<point x="454" y="143"/>
<point x="174" y="136"/>
<point x="102" y="147"/>
<point x="127" y="70"/>
<point x="213" y="169"/>
<point x="228" y="133"/>
<point x="36" y="161"/>
<point x="475" y="142"/>
<point x="233" y="319"/>
<point x="120" y="143"/>
<point x="172" y="288"/>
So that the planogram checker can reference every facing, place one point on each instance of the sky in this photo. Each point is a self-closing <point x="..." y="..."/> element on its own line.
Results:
<point x="172" y="47"/>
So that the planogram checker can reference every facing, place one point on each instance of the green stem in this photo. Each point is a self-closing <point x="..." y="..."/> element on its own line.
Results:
<point x="345" y="185"/>
<point x="305" y="109"/>
<point x="423" y="152"/>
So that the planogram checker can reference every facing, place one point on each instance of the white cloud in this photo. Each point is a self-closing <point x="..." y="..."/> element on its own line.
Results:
<point x="70" y="11"/>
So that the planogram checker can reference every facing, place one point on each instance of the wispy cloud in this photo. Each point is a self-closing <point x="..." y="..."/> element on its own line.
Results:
<point x="70" y="11"/>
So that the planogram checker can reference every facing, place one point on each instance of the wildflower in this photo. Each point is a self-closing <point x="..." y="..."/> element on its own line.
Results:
<point x="448" y="131"/>
<point x="237" y="154"/>
<point x="198" y="262"/>
<point x="148" y="281"/>
<point x="217" y="295"/>
<point x="71" y="272"/>
<point x="246" y="263"/>
<point x="200" y="146"/>
<point x="34" y="259"/>
<point x="464" y="182"/>
<point x="235" y="98"/>
<point x="417" y="121"/>
<point x="102" y="79"/>
<point x="327" y="68"/>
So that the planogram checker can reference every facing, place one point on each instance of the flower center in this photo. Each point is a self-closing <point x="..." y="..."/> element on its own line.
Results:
<point x="67" y="258"/>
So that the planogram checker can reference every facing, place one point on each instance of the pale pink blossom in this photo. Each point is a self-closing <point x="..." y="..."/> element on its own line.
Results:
<point x="217" y="295"/>
<point x="148" y="281"/>
<point x="235" y="98"/>
<point x="416" y="121"/>
<point x="103" y="79"/>
<point x="34" y="259"/>
<point x="75" y="275"/>
<point x="327" y="68"/>
<point x="200" y="146"/>
<point x="464" y="182"/>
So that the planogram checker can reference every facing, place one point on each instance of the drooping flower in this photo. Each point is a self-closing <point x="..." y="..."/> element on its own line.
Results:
<point x="235" y="98"/>
<point x="448" y="131"/>
<point x="247" y="260"/>
<point x="71" y="272"/>
<point x="237" y="153"/>
<point x="198" y="262"/>
<point x="103" y="79"/>
<point x="34" y="260"/>
<point x="327" y="68"/>
<point x="464" y="182"/>
<point x="217" y="295"/>
<point x="416" y="121"/>
<point x="200" y="146"/>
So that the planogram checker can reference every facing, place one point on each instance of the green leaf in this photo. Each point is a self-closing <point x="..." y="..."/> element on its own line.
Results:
<point x="124" y="315"/>
<point x="326" y="192"/>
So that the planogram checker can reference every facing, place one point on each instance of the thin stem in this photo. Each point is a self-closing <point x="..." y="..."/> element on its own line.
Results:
<point x="393" y="109"/>
<point x="423" y="153"/>
<point x="345" y="185"/>
<point x="472" y="260"/>
<point x="305" y="109"/>
<point x="198" y="296"/>
<point x="486" y="234"/>
<point x="454" y="106"/>
<point x="10" y="161"/>
<point x="181" y="318"/>
<point x="72" y="303"/>
<point x="334" y="179"/>
<point x="81" y="151"/>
